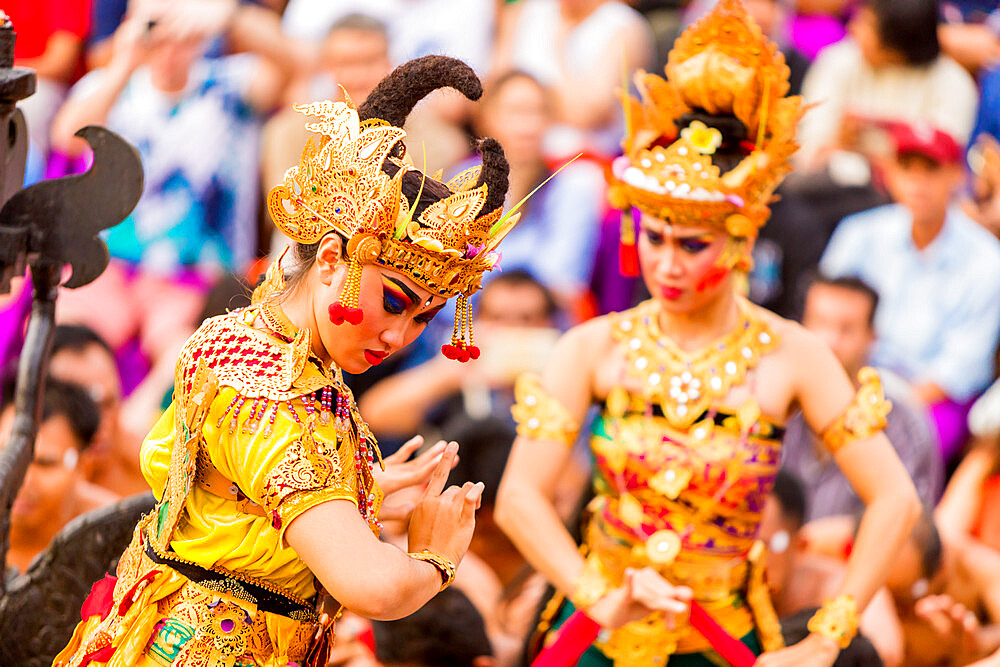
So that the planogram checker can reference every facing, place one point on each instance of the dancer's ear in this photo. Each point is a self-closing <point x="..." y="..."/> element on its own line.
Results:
<point x="330" y="257"/>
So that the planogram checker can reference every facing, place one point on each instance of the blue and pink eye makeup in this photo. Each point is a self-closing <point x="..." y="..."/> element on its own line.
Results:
<point x="397" y="298"/>
<point x="689" y="244"/>
<point x="695" y="244"/>
<point x="654" y="237"/>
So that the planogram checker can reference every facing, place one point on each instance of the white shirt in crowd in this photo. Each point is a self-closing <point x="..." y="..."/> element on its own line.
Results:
<point x="840" y="83"/>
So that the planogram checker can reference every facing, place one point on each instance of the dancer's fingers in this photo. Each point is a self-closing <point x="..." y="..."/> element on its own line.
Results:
<point x="440" y="475"/>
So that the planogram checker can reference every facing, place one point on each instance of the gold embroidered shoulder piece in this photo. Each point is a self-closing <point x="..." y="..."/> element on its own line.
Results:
<point x="251" y="361"/>
<point x="864" y="417"/>
<point x="539" y="415"/>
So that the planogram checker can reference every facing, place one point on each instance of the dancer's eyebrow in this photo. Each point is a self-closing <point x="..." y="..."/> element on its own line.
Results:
<point x="407" y="292"/>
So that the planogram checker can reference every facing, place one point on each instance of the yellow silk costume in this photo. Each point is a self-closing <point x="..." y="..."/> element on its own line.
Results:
<point x="263" y="414"/>
<point x="259" y="431"/>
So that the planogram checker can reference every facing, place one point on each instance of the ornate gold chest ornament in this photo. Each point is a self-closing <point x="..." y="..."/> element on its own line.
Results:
<point x="683" y="384"/>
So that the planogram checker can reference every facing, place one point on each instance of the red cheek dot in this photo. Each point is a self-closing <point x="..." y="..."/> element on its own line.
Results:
<point x="714" y="276"/>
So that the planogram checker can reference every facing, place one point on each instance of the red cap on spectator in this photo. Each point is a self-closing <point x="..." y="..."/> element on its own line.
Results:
<point x="923" y="139"/>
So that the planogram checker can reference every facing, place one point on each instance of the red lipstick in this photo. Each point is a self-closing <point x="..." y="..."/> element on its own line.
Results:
<point x="671" y="293"/>
<point x="375" y="358"/>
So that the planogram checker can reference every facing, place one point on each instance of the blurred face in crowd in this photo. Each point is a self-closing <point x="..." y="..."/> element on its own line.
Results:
<point x="357" y="59"/>
<point x="517" y="115"/>
<point x="94" y="369"/>
<point x="513" y="305"/>
<point x="51" y="477"/>
<point x="840" y="317"/>
<point x="170" y="61"/>
<point x="679" y="264"/>
<point x="923" y="186"/>
<point x="768" y="14"/>
<point x="396" y="310"/>
<point x="864" y="29"/>
<point x="169" y="58"/>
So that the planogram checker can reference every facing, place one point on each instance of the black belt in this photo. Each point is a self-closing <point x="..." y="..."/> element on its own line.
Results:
<point x="265" y="599"/>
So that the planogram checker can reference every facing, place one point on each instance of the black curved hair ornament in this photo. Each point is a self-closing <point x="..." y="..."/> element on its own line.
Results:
<point x="394" y="97"/>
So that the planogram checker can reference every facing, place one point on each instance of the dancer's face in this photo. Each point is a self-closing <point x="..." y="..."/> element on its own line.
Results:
<point x="518" y="115"/>
<point x="680" y="263"/>
<point x="396" y="311"/>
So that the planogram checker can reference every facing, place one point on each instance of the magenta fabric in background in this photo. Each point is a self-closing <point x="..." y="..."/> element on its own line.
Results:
<point x="811" y="34"/>
<point x="951" y="421"/>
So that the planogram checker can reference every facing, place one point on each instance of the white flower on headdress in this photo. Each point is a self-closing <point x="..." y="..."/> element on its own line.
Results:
<point x="705" y="139"/>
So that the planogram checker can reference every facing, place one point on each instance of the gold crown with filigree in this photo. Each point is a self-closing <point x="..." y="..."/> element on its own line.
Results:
<point x="340" y="185"/>
<point x="349" y="180"/>
<point x="721" y="66"/>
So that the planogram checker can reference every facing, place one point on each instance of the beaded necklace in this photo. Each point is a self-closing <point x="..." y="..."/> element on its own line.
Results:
<point x="686" y="384"/>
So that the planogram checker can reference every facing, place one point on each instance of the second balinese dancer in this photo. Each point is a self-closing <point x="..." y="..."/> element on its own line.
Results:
<point x="694" y="386"/>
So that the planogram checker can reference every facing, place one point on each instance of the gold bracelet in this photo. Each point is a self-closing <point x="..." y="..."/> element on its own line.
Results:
<point x="444" y="566"/>
<point x="589" y="587"/>
<point x="837" y="619"/>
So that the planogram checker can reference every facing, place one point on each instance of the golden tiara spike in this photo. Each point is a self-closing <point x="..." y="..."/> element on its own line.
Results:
<point x="340" y="185"/>
<point x="721" y="66"/>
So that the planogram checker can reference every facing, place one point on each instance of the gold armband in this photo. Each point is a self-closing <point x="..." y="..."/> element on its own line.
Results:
<point x="539" y="415"/>
<point x="837" y="619"/>
<point x="864" y="417"/>
<point x="443" y="565"/>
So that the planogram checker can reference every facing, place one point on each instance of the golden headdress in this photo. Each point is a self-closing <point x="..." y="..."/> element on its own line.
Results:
<point x="721" y="73"/>
<point x="350" y="180"/>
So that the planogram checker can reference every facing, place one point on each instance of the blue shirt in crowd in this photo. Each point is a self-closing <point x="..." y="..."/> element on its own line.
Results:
<point x="988" y="116"/>
<point x="938" y="318"/>
<point x="199" y="158"/>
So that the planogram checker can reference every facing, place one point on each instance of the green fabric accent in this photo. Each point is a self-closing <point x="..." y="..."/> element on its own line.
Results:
<point x="599" y="427"/>
<point x="593" y="657"/>
<point x="169" y="639"/>
<point x="161" y="516"/>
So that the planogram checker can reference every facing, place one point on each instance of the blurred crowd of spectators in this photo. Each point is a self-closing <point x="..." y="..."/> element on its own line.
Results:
<point x="884" y="242"/>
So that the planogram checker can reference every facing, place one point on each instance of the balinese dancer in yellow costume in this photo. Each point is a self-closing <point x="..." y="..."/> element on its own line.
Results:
<point x="693" y="387"/>
<point x="269" y="483"/>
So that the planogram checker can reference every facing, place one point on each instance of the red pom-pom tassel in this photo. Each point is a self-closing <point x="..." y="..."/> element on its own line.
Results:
<point x="339" y="313"/>
<point x="628" y="260"/>
<point x="628" y="255"/>
<point x="461" y="352"/>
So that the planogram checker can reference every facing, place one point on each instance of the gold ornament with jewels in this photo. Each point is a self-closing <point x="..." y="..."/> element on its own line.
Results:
<point x="683" y="384"/>
<point x="350" y="180"/>
<point x="677" y="165"/>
